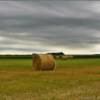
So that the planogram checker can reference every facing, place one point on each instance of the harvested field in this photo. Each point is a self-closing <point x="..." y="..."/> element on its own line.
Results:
<point x="75" y="79"/>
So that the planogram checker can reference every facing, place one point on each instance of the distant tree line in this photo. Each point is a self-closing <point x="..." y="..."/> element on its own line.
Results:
<point x="15" y="56"/>
<point x="59" y="55"/>
<point x="87" y="56"/>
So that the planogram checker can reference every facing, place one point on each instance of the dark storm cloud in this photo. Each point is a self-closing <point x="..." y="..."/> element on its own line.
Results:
<point x="49" y="24"/>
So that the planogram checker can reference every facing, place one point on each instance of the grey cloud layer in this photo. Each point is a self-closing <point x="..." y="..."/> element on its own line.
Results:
<point x="50" y="24"/>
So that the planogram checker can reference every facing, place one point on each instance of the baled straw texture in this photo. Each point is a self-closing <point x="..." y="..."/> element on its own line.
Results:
<point x="43" y="62"/>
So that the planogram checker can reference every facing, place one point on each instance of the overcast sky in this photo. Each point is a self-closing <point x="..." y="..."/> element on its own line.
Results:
<point x="72" y="27"/>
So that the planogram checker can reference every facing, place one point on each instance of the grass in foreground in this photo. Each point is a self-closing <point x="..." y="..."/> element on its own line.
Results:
<point x="77" y="79"/>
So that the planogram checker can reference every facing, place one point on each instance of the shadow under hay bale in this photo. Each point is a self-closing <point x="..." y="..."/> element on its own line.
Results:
<point x="43" y="62"/>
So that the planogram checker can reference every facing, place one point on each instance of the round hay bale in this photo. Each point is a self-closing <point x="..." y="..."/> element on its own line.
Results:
<point x="43" y="62"/>
<point x="57" y="57"/>
<point x="65" y="57"/>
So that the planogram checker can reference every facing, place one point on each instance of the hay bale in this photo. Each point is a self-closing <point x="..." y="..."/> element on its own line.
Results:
<point x="65" y="57"/>
<point x="43" y="62"/>
<point x="57" y="57"/>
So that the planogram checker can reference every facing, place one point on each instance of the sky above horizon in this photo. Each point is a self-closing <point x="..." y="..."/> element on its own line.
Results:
<point x="72" y="27"/>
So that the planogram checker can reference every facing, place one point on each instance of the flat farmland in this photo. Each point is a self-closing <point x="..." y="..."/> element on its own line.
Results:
<point x="73" y="79"/>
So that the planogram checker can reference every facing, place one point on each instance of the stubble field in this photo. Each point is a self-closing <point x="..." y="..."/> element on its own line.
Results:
<point x="73" y="79"/>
